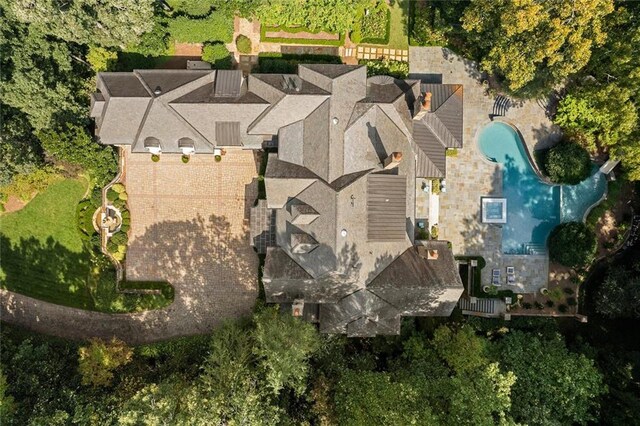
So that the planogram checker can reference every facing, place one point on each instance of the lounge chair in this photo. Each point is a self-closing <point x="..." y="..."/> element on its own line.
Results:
<point x="495" y="277"/>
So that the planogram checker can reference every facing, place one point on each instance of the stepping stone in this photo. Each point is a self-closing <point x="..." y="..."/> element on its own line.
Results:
<point x="360" y="49"/>
<point x="366" y="56"/>
<point x="386" y="51"/>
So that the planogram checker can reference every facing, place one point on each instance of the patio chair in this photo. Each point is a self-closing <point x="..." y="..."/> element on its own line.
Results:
<point x="495" y="277"/>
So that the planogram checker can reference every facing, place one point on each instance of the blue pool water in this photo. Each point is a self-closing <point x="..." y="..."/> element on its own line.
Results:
<point x="534" y="207"/>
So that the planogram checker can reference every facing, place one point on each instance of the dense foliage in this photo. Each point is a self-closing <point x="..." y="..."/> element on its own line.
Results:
<point x="567" y="163"/>
<point x="572" y="244"/>
<point x="243" y="43"/>
<point x="397" y="69"/>
<point x="275" y="369"/>
<point x="215" y="27"/>
<point x="217" y="55"/>
<point x="535" y="45"/>
<point x="619" y="294"/>
<point x="373" y="26"/>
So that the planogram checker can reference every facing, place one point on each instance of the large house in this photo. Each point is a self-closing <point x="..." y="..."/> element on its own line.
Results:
<point x="338" y="225"/>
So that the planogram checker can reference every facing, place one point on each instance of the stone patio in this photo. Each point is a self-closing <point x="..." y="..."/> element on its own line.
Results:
<point x="470" y="176"/>
<point x="189" y="226"/>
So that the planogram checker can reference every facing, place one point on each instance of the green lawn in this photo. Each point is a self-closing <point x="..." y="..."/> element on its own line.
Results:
<point x="44" y="256"/>
<point x="398" y="36"/>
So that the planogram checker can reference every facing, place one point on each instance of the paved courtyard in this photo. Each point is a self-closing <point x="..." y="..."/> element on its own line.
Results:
<point x="470" y="177"/>
<point x="189" y="226"/>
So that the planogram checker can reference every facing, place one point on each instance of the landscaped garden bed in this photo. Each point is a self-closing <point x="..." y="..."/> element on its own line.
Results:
<point x="374" y="26"/>
<point x="299" y="35"/>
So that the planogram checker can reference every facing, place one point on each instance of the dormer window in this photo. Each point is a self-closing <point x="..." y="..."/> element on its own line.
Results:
<point x="187" y="146"/>
<point x="152" y="145"/>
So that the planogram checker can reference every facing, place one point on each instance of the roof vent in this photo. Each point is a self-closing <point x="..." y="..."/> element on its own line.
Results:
<point x="343" y="232"/>
<point x="157" y="91"/>
<point x="335" y="120"/>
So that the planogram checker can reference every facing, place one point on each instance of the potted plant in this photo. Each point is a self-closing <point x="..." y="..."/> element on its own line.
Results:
<point x="155" y="158"/>
<point x="217" y="154"/>
<point x="185" y="158"/>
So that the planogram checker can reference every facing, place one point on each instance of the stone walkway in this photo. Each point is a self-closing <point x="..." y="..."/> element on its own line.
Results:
<point x="469" y="176"/>
<point x="367" y="52"/>
<point x="189" y="226"/>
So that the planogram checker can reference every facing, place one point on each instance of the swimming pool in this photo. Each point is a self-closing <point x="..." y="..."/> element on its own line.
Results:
<point x="534" y="207"/>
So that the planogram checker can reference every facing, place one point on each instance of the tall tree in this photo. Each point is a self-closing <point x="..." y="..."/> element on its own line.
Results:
<point x="99" y="359"/>
<point x="553" y="386"/>
<point x="284" y="345"/>
<point x="101" y="22"/>
<point x="535" y="45"/>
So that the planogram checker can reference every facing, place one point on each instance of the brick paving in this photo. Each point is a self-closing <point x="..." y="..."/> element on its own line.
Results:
<point x="189" y="226"/>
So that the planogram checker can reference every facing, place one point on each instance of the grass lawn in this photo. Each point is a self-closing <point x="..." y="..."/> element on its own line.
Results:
<point x="398" y="36"/>
<point x="44" y="256"/>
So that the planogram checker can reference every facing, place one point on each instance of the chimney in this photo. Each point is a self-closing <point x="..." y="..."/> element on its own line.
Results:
<point x="393" y="160"/>
<point x="426" y="101"/>
<point x="297" y="308"/>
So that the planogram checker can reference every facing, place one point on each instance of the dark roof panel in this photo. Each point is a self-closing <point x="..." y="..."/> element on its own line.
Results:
<point x="168" y="80"/>
<point x="429" y="143"/>
<point x="228" y="83"/>
<point x="386" y="207"/>
<point x="124" y="85"/>
<point x="228" y="133"/>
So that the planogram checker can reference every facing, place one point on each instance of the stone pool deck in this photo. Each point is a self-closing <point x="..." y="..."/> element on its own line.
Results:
<point x="470" y="176"/>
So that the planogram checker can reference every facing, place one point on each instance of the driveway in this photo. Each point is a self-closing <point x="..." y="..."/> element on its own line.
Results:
<point x="189" y="226"/>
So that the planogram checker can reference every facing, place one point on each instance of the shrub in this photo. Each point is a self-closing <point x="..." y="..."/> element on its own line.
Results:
<point x="451" y="152"/>
<point x="243" y="43"/>
<point x="24" y="185"/>
<point x="434" y="232"/>
<point x="123" y="196"/>
<point x="526" y="305"/>
<point x="572" y="244"/>
<point x="118" y="187"/>
<point x="567" y="163"/>
<point x="568" y="290"/>
<point x="72" y="144"/>
<point x="111" y="246"/>
<point x="112" y="195"/>
<point x="556" y="294"/>
<point x="218" y="158"/>
<point x="155" y="158"/>
<point x="193" y="7"/>
<point x="397" y="69"/>
<point x="119" y="238"/>
<point x="563" y="309"/>
<point x="215" y="27"/>
<point x="102" y="59"/>
<point x="549" y="303"/>
<point x="119" y="204"/>
<point x="217" y="55"/>
<point x="539" y="306"/>
<point x="126" y="215"/>
<point x="435" y="186"/>
<point x="571" y="301"/>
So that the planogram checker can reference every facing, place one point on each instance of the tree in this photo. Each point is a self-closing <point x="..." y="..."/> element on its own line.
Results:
<point x="619" y="294"/>
<point x="553" y="386"/>
<point x="99" y="22"/>
<point x="217" y="55"/>
<point x="567" y="163"/>
<point x="7" y="403"/>
<point x="283" y="346"/>
<point x="98" y="360"/>
<point x="40" y="76"/>
<point x="72" y="144"/>
<point x="462" y="350"/>
<point x="102" y="59"/>
<point x="572" y="244"/>
<point x="601" y="116"/>
<point x="19" y="148"/>
<point x="535" y="45"/>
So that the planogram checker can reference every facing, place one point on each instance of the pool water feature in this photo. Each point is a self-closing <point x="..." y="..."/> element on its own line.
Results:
<point x="534" y="207"/>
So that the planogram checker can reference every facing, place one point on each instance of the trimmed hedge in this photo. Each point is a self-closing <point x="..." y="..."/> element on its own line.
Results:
<point x="243" y="43"/>
<point x="397" y="69"/>
<point x="264" y="38"/>
<point x="276" y="63"/>
<point x="218" y="56"/>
